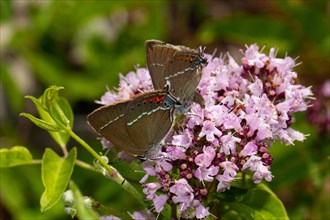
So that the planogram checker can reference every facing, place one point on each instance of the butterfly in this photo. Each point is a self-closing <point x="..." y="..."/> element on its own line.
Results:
<point x="179" y="66"/>
<point x="139" y="124"/>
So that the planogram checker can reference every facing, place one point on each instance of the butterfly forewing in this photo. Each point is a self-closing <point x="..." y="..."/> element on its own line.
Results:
<point x="179" y="65"/>
<point x="158" y="54"/>
<point x="183" y="74"/>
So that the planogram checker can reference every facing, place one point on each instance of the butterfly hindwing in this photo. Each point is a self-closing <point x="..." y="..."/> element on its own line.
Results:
<point x="109" y="122"/>
<point x="149" y="120"/>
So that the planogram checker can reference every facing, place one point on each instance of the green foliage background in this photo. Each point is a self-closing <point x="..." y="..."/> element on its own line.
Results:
<point x="83" y="45"/>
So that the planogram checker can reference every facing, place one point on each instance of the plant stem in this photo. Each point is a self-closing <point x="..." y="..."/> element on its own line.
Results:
<point x="112" y="172"/>
<point x="36" y="162"/>
<point x="173" y="211"/>
<point x="85" y="165"/>
<point x="65" y="151"/>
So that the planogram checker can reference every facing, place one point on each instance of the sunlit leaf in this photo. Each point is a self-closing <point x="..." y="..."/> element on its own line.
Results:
<point x="61" y="111"/>
<point x="36" y="101"/>
<point x="15" y="156"/>
<point x="49" y="95"/>
<point x="41" y="123"/>
<point x="56" y="173"/>
<point x="50" y="116"/>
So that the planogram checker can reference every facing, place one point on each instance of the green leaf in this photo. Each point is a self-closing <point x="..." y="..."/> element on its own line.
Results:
<point x="61" y="112"/>
<point x="15" y="156"/>
<point x="66" y="109"/>
<point x="41" y="123"/>
<point x="84" y="211"/>
<point x="36" y="101"/>
<point x="254" y="203"/>
<point x="60" y="137"/>
<point x="56" y="173"/>
<point x="46" y="109"/>
<point x="50" y="94"/>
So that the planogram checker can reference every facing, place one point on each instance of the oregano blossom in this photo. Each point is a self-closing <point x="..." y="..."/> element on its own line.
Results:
<point x="248" y="106"/>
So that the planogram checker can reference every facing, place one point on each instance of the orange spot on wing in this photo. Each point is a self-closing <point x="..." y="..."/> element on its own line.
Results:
<point x="151" y="100"/>
<point x="160" y="98"/>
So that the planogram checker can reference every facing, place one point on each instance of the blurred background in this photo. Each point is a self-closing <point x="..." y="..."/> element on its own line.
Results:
<point x="84" y="45"/>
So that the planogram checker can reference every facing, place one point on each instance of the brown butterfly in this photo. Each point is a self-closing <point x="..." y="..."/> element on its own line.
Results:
<point x="137" y="125"/>
<point x="180" y="66"/>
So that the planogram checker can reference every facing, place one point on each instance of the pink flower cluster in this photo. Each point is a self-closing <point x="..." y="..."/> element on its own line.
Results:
<point x="319" y="114"/>
<point x="248" y="106"/>
<point x="131" y="84"/>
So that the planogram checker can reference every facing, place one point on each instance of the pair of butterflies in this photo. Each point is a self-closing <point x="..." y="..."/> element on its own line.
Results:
<point x="139" y="124"/>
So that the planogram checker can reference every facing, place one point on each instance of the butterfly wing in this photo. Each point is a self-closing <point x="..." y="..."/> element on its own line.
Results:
<point x="109" y="122"/>
<point x="149" y="119"/>
<point x="180" y="65"/>
<point x="158" y="54"/>
<point x="184" y="71"/>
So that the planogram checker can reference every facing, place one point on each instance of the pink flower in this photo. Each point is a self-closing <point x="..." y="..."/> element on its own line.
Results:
<point x="183" y="192"/>
<point x="139" y="215"/>
<point x="109" y="217"/>
<point x="159" y="202"/>
<point x="108" y="98"/>
<point x="106" y="144"/>
<point x="150" y="189"/>
<point x="229" y="143"/>
<point x="207" y="174"/>
<point x="163" y="164"/>
<point x="196" y="116"/>
<point x="201" y="211"/>
<point x="254" y="57"/>
<point x="184" y="139"/>
<point x="150" y="171"/>
<point x="210" y="131"/>
<point x="249" y="149"/>
<point x="232" y="121"/>
<point x="290" y="135"/>
<point x="218" y="114"/>
<point x="248" y="106"/>
<point x="205" y="159"/>
<point x="255" y="164"/>
<point x="175" y="153"/>
<point x="319" y="113"/>
<point x="256" y="88"/>
<point x="325" y="89"/>
<point x="229" y="174"/>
